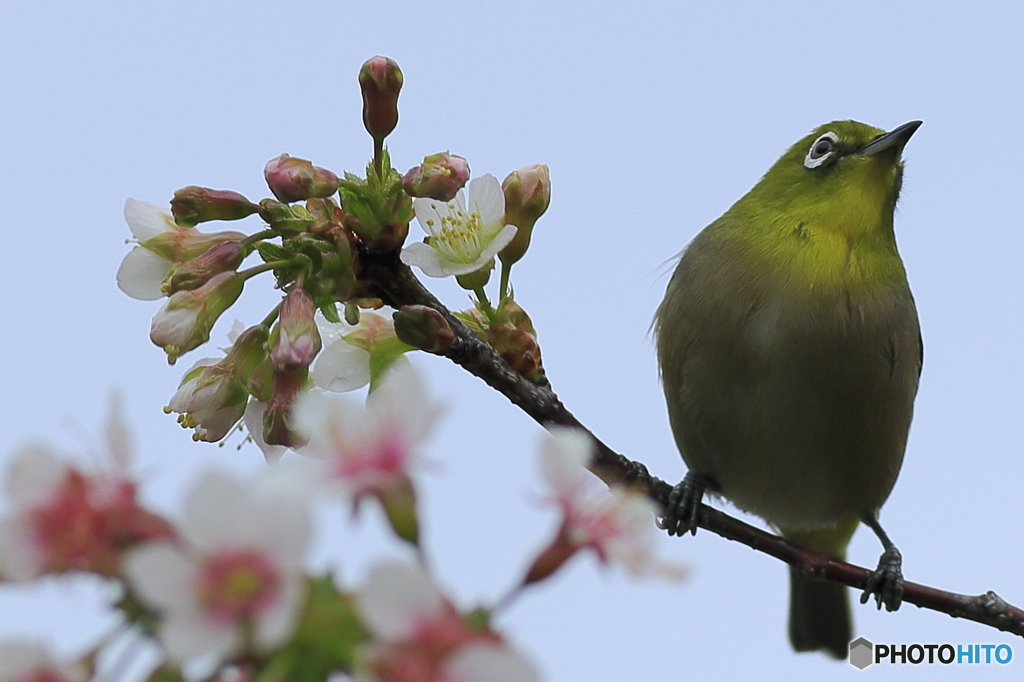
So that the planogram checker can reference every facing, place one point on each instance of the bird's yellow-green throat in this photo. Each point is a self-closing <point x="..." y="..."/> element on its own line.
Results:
<point x="823" y="214"/>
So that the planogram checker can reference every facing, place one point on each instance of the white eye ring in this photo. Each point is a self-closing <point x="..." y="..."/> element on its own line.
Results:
<point x="819" y="152"/>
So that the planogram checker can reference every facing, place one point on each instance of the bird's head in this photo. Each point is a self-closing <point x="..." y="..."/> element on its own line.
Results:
<point x="844" y="173"/>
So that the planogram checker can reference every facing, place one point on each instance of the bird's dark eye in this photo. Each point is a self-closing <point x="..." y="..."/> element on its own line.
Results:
<point x="821" y="149"/>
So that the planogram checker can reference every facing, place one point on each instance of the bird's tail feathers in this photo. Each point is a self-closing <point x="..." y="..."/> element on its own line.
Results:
<point x="819" y="610"/>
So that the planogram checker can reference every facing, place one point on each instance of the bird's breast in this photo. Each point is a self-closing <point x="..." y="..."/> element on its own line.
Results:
<point x="792" y="388"/>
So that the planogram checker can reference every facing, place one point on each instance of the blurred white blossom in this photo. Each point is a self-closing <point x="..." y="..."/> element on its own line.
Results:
<point x="32" y="662"/>
<point x="238" y="565"/>
<point x="420" y="635"/>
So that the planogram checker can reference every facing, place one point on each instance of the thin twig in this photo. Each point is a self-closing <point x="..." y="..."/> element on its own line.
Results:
<point x="398" y="286"/>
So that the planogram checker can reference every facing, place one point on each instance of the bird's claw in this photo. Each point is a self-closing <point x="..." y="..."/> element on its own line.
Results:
<point x="886" y="581"/>
<point x="684" y="505"/>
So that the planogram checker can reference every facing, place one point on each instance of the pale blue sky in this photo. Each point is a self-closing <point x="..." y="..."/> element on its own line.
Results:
<point x="654" y="117"/>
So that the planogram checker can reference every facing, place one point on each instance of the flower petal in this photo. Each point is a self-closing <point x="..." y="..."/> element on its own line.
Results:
<point x="118" y="437"/>
<point x="282" y="522"/>
<point x="20" y="558"/>
<point x="34" y="476"/>
<point x="141" y="274"/>
<point x="484" y="662"/>
<point x="427" y="259"/>
<point x="565" y="454"/>
<point x="146" y="220"/>
<point x="253" y="419"/>
<point x="32" y="661"/>
<point x="341" y="367"/>
<point x="402" y="402"/>
<point x="504" y="236"/>
<point x="162" y="576"/>
<point x="275" y="625"/>
<point x="186" y="638"/>
<point x="217" y="512"/>
<point x="396" y="598"/>
<point x="487" y="199"/>
<point x="429" y="213"/>
<point x="21" y="658"/>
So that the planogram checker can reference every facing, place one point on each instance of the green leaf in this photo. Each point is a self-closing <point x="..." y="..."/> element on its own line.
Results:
<point x="270" y="252"/>
<point x="328" y="632"/>
<point x="475" y="322"/>
<point x="165" y="674"/>
<point x="330" y="311"/>
<point x="383" y="355"/>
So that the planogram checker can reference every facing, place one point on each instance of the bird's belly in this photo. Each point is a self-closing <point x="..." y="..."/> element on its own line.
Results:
<point x="810" y="424"/>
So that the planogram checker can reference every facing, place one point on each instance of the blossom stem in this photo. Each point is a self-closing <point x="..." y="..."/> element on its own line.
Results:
<point x="263" y="267"/>
<point x="378" y="155"/>
<point x="509" y="597"/>
<point x="259" y="236"/>
<point x="422" y="558"/>
<point x="503" y="292"/>
<point x="271" y="316"/>
<point x="481" y="296"/>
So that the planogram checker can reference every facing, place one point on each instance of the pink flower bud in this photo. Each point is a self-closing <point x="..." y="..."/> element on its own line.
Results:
<point x="185" y="321"/>
<point x="295" y="341"/>
<point x="192" y="205"/>
<point x="294" y="179"/>
<point x="222" y="257"/>
<point x="380" y="80"/>
<point x="440" y="177"/>
<point x="282" y="218"/>
<point x="527" y="196"/>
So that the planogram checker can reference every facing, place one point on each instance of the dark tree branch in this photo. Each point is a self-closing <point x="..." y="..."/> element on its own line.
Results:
<point x="398" y="287"/>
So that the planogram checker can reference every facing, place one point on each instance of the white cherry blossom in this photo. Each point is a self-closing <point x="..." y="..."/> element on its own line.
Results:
<point x="462" y="237"/>
<point x="238" y="564"/>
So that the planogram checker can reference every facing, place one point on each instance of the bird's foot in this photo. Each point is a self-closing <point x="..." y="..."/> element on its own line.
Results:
<point x="684" y="505"/>
<point x="886" y="581"/>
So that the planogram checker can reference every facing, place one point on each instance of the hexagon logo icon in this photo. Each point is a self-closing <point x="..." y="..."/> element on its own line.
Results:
<point x="862" y="653"/>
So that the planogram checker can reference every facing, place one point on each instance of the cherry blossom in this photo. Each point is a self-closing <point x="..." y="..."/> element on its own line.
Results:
<point x="234" y="582"/>
<point x="161" y="244"/>
<point x="371" y="450"/>
<point x="461" y="240"/>
<point x="64" y="518"/>
<point x="419" y="635"/>
<point x="356" y="355"/>
<point x="618" y="525"/>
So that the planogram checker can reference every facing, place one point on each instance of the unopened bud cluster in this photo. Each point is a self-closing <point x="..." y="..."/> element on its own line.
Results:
<point x="509" y="330"/>
<point x="318" y="230"/>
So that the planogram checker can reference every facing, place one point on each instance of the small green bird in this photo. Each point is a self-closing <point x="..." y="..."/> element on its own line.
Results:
<point x="790" y="354"/>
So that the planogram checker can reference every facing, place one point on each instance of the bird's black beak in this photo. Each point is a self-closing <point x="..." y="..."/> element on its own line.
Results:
<point x="896" y="138"/>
